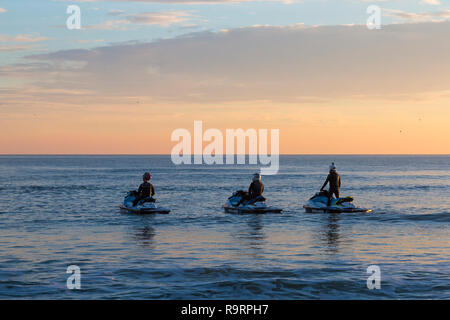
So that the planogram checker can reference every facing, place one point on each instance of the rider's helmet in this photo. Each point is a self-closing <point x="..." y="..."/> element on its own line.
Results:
<point x="332" y="167"/>
<point x="256" y="177"/>
<point x="147" y="176"/>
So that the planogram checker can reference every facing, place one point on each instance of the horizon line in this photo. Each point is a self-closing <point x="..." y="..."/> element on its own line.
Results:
<point x="280" y="154"/>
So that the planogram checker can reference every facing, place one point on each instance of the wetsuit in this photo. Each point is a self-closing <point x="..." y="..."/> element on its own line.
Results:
<point x="256" y="189"/>
<point x="145" y="190"/>
<point x="335" y="183"/>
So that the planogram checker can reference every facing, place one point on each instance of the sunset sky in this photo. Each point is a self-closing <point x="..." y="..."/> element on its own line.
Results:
<point x="137" y="70"/>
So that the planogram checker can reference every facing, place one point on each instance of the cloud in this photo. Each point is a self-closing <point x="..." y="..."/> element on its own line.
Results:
<point x="115" y="12"/>
<point x="191" y="1"/>
<point x="110" y="25"/>
<point x="277" y="64"/>
<point x="13" y="48"/>
<point x="431" y="2"/>
<point x="160" y="18"/>
<point x="418" y="17"/>
<point x="21" y="38"/>
<point x="2" y="10"/>
<point x="443" y="14"/>
<point x="91" y="41"/>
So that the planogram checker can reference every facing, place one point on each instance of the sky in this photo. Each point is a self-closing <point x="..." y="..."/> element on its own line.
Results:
<point x="138" y="70"/>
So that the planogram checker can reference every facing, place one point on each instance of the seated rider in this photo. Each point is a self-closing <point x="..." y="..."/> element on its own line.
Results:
<point x="335" y="183"/>
<point x="256" y="188"/>
<point x="145" y="190"/>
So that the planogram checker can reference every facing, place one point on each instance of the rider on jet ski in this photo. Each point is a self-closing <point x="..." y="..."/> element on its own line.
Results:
<point x="145" y="190"/>
<point x="335" y="183"/>
<point x="256" y="188"/>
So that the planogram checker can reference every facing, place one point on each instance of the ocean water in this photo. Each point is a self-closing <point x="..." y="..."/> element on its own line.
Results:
<point x="57" y="211"/>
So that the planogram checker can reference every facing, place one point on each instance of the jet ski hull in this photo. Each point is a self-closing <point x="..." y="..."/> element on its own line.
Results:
<point x="258" y="206"/>
<point x="147" y="206"/>
<point x="319" y="203"/>
<point x="336" y="210"/>
<point x="145" y="210"/>
<point x="251" y="210"/>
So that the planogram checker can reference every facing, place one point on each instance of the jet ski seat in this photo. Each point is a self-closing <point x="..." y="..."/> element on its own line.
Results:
<point x="257" y="199"/>
<point x="343" y="200"/>
<point x="148" y="199"/>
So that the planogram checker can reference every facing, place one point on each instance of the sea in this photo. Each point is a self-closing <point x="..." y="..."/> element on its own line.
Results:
<point x="63" y="236"/>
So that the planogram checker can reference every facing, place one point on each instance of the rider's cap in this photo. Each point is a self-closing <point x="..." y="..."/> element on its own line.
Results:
<point x="147" y="176"/>
<point x="332" y="166"/>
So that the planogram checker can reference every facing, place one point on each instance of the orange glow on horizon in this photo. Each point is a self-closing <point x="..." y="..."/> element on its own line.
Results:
<point x="346" y="127"/>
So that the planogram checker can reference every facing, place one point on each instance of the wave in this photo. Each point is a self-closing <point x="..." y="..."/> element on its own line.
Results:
<point x="39" y="188"/>
<point x="401" y="217"/>
<point x="399" y="187"/>
<point x="437" y="217"/>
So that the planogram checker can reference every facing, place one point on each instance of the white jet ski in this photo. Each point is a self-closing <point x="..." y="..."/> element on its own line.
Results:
<point x="318" y="203"/>
<point x="145" y="206"/>
<point x="236" y="204"/>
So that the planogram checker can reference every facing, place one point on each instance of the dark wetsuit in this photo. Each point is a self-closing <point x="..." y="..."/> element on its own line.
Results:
<point x="145" y="190"/>
<point x="335" y="183"/>
<point x="256" y="189"/>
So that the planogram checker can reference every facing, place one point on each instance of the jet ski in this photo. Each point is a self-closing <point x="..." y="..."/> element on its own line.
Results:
<point x="237" y="204"/>
<point x="318" y="203"/>
<point x="144" y="206"/>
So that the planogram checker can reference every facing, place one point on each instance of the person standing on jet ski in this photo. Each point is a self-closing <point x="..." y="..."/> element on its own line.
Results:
<point x="145" y="190"/>
<point x="335" y="183"/>
<point x="256" y="188"/>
